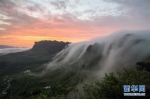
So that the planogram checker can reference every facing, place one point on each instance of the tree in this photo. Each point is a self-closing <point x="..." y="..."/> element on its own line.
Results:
<point x="111" y="86"/>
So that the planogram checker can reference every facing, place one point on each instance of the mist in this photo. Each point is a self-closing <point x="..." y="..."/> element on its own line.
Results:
<point x="12" y="50"/>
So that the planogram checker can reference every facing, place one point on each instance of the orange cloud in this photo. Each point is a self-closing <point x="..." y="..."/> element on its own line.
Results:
<point x="27" y="37"/>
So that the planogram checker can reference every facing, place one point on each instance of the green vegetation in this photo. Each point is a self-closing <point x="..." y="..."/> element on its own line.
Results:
<point x="61" y="82"/>
<point x="111" y="86"/>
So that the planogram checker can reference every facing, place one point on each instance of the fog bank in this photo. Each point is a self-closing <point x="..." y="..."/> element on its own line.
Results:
<point x="12" y="50"/>
<point x="116" y="51"/>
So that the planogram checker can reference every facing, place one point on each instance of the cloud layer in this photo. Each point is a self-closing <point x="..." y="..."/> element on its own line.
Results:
<point x="112" y="53"/>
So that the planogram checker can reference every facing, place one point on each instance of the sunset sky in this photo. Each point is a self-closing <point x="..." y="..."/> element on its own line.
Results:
<point x="22" y="22"/>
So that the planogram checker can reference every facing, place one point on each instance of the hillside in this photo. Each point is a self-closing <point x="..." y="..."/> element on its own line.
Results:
<point x="14" y="65"/>
<point x="42" y="52"/>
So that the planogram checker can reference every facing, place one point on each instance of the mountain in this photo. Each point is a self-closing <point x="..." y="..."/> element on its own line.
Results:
<point x="41" y="53"/>
<point x="5" y="46"/>
<point x="64" y="67"/>
<point x="49" y="46"/>
<point x="14" y="65"/>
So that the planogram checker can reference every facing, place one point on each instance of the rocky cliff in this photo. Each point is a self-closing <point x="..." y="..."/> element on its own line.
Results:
<point x="49" y="46"/>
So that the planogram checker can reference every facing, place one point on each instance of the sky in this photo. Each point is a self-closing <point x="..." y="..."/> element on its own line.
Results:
<point x="22" y="22"/>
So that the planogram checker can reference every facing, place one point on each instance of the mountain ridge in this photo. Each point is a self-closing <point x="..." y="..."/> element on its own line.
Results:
<point x="6" y="46"/>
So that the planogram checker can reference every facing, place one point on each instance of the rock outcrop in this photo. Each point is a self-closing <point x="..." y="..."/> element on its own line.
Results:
<point x="49" y="46"/>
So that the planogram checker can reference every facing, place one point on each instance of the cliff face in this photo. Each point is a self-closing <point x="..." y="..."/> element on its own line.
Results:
<point x="49" y="46"/>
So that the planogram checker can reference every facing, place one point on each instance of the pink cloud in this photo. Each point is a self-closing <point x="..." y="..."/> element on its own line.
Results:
<point x="61" y="27"/>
